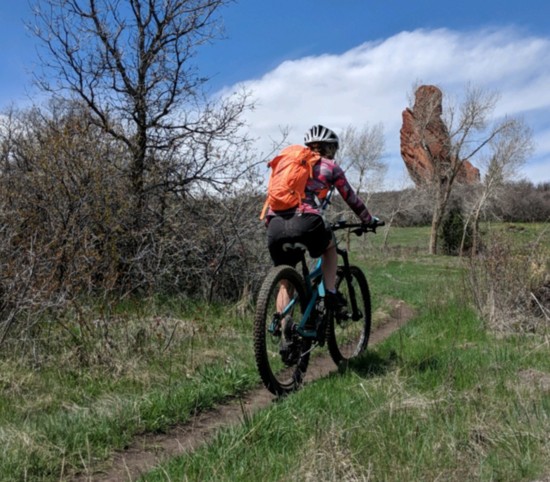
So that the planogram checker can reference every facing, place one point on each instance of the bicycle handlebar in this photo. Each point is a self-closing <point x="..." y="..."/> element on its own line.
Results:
<point x="357" y="228"/>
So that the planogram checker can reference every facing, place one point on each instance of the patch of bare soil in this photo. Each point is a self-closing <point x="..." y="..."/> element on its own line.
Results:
<point x="149" y="450"/>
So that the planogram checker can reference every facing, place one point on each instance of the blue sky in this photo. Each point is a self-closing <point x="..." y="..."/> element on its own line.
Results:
<point x="262" y="34"/>
<point x="343" y="62"/>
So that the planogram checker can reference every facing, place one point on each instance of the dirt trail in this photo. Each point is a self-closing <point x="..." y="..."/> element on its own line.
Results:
<point x="147" y="451"/>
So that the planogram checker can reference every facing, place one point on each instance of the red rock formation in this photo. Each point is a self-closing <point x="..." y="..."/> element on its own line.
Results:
<point x="425" y="141"/>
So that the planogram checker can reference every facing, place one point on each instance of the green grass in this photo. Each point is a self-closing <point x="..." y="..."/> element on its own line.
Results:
<point x="408" y="239"/>
<point x="60" y="414"/>
<point x="441" y="399"/>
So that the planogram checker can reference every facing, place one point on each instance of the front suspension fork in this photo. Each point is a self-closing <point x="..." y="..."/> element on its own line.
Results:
<point x="355" y="314"/>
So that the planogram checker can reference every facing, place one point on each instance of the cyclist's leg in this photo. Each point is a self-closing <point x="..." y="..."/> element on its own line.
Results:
<point x="329" y="267"/>
<point x="279" y="232"/>
<point x="286" y="291"/>
<point x="282" y="230"/>
<point x="334" y="299"/>
<point x="284" y="295"/>
<point x="316" y="237"/>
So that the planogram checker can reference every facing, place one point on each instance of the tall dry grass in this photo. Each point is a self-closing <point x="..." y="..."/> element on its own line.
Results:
<point x="509" y="281"/>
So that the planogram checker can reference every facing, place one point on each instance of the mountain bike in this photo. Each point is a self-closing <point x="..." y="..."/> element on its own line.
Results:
<point x="305" y="321"/>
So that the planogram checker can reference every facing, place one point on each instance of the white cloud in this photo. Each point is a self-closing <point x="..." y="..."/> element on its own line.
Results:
<point x="372" y="82"/>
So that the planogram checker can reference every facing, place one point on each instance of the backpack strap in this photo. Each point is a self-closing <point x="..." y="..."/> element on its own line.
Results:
<point x="264" y="209"/>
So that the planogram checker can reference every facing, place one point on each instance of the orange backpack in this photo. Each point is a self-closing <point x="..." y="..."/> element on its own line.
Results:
<point x="290" y="171"/>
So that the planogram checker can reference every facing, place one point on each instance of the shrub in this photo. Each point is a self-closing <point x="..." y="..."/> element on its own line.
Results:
<point x="509" y="284"/>
<point x="452" y="232"/>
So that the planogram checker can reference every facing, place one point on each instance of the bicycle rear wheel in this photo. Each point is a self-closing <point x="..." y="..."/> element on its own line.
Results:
<point x="281" y="370"/>
<point x="348" y="331"/>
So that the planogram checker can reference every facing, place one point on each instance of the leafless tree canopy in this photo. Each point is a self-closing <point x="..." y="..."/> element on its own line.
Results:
<point x="505" y="154"/>
<point x="130" y="64"/>
<point x="361" y="152"/>
<point x="466" y="135"/>
<point x="67" y="229"/>
<point x="131" y="178"/>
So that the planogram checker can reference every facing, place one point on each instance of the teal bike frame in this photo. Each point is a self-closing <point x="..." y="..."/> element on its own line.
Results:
<point x="315" y="288"/>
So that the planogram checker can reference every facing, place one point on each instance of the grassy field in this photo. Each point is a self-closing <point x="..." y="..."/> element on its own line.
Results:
<point x="445" y="398"/>
<point x="439" y="401"/>
<point x="442" y="399"/>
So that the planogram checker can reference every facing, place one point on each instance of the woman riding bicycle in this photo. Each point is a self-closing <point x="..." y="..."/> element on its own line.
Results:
<point x="305" y="224"/>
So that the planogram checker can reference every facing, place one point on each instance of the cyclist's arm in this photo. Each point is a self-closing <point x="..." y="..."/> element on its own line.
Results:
<point x="348" y="194"/>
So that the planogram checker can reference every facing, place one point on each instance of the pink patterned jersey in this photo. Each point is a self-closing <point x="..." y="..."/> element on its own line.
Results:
<point x="327" y="173"/>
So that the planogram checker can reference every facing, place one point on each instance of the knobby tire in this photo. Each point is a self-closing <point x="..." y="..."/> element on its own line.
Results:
<point x="348" y="339"/>
<point x="278" y="377"/>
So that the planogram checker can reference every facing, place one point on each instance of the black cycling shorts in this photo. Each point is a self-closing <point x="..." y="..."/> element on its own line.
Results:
<point x="307" y="229"/>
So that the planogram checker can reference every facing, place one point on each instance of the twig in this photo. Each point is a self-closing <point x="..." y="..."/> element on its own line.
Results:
<point x="542" y="308"/>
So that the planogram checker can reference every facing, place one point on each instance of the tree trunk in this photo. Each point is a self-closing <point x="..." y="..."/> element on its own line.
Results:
<point x="436" y="220"/>
<point x="441" y="199"/>
<point x="475" y="229"/>
<point x="137" y="174"/>
<point x="436" y="223"/>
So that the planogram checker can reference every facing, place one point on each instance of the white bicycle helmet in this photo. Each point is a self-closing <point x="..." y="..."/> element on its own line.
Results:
<point x="320" y="133"/>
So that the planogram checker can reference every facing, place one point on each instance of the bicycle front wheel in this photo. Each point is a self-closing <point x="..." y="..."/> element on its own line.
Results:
<point x="348" y="330"/>
<point x="282" y="356"/>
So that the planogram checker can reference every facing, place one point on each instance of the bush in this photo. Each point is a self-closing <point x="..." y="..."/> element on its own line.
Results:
<point x="452" y="232"/>
<point x="509" y="284"/>
<point x="69" y="231"/>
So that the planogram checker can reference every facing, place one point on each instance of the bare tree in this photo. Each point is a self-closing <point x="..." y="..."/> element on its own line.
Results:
<point x="130" y="64"/>
<point x="404" y="203"/>
<point x="66" y="226"/>
<point x="507" y="152"/>
<point x="361" y="153"/>
<point x="360" y="157"/>
<point x="451" y="139"/>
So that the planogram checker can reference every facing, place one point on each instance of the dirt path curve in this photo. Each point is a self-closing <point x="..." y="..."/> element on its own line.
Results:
<point x="147" y="451"/>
